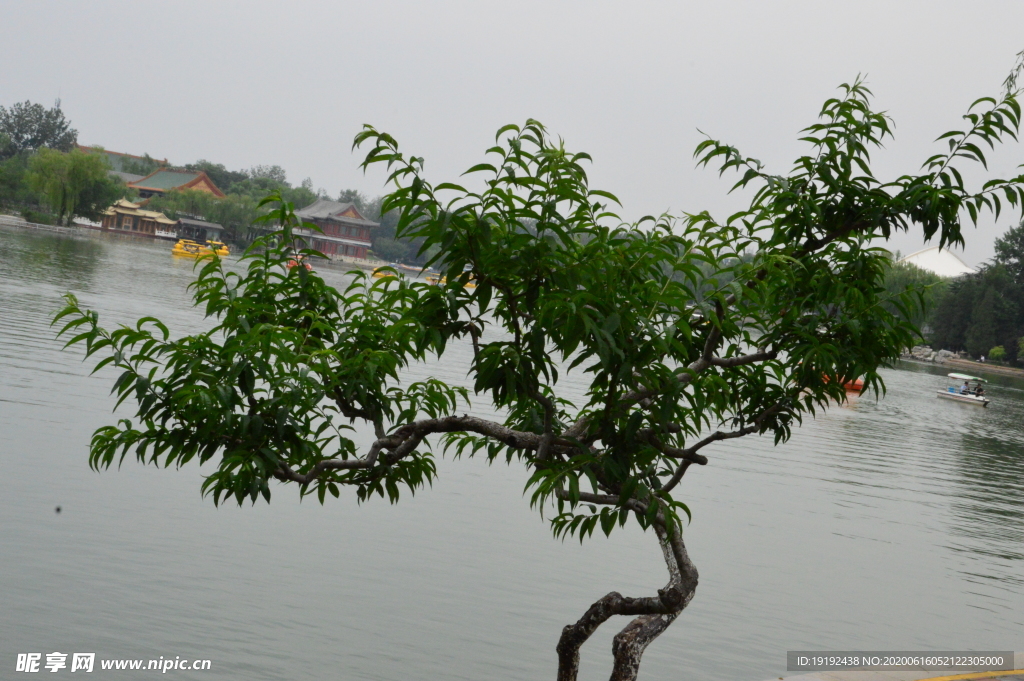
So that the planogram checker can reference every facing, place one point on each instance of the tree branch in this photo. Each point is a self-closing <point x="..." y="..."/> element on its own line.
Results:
<point x="406" y="438"/>
<point x="742" y="360"/>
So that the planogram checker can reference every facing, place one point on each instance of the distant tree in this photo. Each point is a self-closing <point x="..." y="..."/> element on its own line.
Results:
<point x="222" y="177"/>
<point x="1010" y="252"/>
<point x="978" y="311"/>
<point x="73" y="183"/>
<point x="952" y="314"/>
<point x="357" y="198"/>
<point x="982" y="333"/>
<point x="29" y="126"/>
<point x="998" y="353"/>
<point x="274" y="173"/>
<point x="7" y="148"/>
<point x="236" y="213"/>
<point x="15" y="191"/>
<point x="97" y="195"/>
<point x="140" y="166"/>
<point x="390" y="250"/>
<point x="300" y="196"/>
<point x="904" y="276"/>
<point x="184" y="203"/>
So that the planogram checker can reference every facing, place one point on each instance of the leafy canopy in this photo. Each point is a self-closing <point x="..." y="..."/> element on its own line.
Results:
<point x="687" y="331"/>
<point x="73" y="183"/>
<point x="27" y="127"/>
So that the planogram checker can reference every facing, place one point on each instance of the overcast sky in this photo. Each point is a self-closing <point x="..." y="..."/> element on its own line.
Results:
<point x="256" y="82"/>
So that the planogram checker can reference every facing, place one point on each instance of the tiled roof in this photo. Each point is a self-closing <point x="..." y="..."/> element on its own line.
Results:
<point x="127" y="177"/>
<point x="115" y="158"/>
<point x="126" y="207"/>
<point x="199" y="223"/>
<point x="166" y="179"/>
<point x="325" y="209"/>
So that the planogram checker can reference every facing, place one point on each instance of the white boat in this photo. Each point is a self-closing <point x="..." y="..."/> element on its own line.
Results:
<point x="957" y="393"/>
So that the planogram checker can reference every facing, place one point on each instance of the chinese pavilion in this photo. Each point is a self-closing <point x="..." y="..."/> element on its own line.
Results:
<point x="345" y="231"/>
<point x="125" y="216"/>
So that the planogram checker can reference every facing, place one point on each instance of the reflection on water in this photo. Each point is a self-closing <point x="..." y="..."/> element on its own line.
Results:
<point x="888" y="524"/>
<point x="51" y="257"/>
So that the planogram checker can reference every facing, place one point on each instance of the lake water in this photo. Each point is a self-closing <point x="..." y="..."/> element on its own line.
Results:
<point x="891" y="524"/>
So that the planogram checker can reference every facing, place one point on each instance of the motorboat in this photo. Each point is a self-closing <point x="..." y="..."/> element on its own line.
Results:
<point x="961" y="393"/>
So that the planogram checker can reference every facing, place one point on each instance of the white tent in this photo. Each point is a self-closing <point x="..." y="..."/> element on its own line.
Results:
<point x="940" y="261"/>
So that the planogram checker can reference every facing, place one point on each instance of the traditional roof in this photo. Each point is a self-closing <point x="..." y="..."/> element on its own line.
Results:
<point x="115" y="158"/>
<point x="127" y="177"/>
<point x="325" y="209"/>
<point x="126" y="207"/>
<point x="939" y="261"/>
<point x="166" y="179"/>
<point x="192" y="222"/>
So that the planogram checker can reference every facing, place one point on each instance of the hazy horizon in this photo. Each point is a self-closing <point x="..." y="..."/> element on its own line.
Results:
<point x="274" y="83"/>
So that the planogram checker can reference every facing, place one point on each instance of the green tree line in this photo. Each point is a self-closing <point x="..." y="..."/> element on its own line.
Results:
<point x="43" y="173"/>
<point x="983" y="313"/>
<point x="48" y="179"/>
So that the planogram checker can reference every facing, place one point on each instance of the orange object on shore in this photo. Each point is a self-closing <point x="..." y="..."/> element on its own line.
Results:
<point x="854" y="385"/>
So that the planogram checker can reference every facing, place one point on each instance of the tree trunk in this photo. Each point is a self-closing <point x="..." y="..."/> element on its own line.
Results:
<point x="655" y="616"/>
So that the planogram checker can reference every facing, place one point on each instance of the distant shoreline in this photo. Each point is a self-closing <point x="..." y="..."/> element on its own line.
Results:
<point x="984" y="367"/>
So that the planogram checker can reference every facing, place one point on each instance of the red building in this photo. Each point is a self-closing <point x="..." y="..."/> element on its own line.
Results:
<point x="345" y="231"/>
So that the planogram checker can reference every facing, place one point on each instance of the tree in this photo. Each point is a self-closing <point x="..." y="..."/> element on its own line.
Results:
<point x="982" y="334"/>
<point x="390" y="250"/>
<point x="904" y="276"/>
<point x="997" y="354"/>
<point x="979" y="311"/>
<point x="222" y="177"/>
<point x="7" y="148"/>
<point x="140" y="166"/>
<point x="354" y="196"/>
<point x="187" y="203"/>
<point x="73" y="183"/>
<point x="14" y="189"/>
<point x="675" y="361"/>
<point x="29" y="126"/>
<point x="1010" y="252"/>
<point x="274" y="173"/>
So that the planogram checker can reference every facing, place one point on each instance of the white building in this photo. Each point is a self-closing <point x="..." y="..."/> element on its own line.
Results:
<point x="940" y="261"/>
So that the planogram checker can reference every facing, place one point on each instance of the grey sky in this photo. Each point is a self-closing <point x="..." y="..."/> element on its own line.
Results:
<point x="244" y="83"/>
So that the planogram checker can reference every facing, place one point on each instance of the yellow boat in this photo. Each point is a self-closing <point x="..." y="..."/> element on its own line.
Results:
<point x="437" y="281"/>
<point x="381" y="272"/>
<point x="190" y="249"/>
